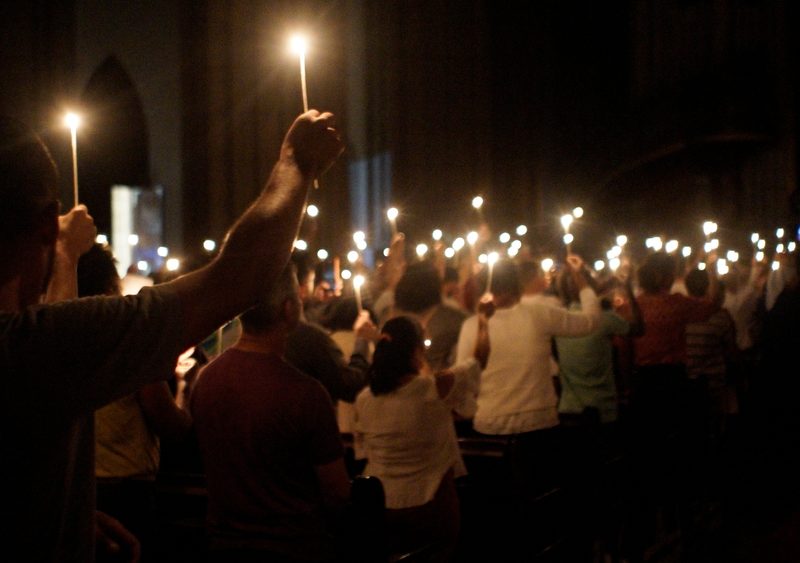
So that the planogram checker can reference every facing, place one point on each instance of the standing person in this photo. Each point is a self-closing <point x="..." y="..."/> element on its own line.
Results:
<point x="127" y="431"/>
<point x="63" y="361"/>
<point x="405" y="423"/>
<point x="516" y="397"/>
<point x="270" y="445"/>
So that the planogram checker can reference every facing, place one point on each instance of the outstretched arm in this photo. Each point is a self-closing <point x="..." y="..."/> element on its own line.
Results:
<point x="76" y="233"/>
<point x="258" y="246"/>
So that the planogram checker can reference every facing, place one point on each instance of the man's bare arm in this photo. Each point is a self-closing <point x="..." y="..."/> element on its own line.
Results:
<point x="259" y="244"/>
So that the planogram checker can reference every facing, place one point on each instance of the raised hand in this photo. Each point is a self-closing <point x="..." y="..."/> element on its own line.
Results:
<point x="312" y="142"/>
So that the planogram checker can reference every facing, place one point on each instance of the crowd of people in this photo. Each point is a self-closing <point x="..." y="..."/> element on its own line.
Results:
<point x="566" y="367"/>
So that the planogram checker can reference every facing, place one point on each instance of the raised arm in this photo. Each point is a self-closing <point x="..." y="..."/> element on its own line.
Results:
<point x="76" y="233"/>
<point x="258" y="246"/>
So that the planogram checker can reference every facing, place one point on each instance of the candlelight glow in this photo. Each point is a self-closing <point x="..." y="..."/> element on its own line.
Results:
<point x="622" y="240"/>
<point x="477" y="202"/>
<point x="133" y="240"/>
<point x="512" y="251"/>
<point x="72" y="120"/>
<point x="732" y="256"/>
<point x="614" y="264"/>
<point x="436" y="234"/>
<point x="352" y="256"/>
<point x="346" y="274"/>
<point x="492" y="258"/>
<point x="101" y="239"/>
<point x="141" y="265"/>
<point x="298" y="45"/>
<point x="358" y="281"/>
<point x="449" y="252"/>
<point x="568" y="238"/>
<point x="386" y="252"/>
<point x="359" y="235"/>
<point x="209" y="245"/>
<point x="322" y="254"/>
<point x="162" y="251"/>
<point x="776" y="265"/>
<point x="722" y="267"/>
<point x="422" y="250"/>
<point x="458" y="244"/>
<point x="762" y="244"/>
<point x="701" y="266"/>
<point x="577" y="212"/>
<point x="547" y="264"/>
<point x="754" y="238"/>
<point x="361" y="245"/>
<point x="472" y="238"/>
<point x="173" y="264"/>
<point x="709" y="227"/>
<point x="671" y="246"/>
<point x="791" y="246"/>
<point x="759" y="256"/>
<point x="504" y="238"/>
<point x="300" y="244"/>
<point x="483" y="259"/>
<point x="516" y="244"/>
<point x="599" y="265"/>
<point x="779" y="248"/>
<point x="312" y="210"/>
<point x="566" y="221"/>
<point x="521" y="230"/>
<point x="392" y="213"/>
<point x="780" y="232"/>
<point x="427" y="343"/>
<point x="686" y="251"/>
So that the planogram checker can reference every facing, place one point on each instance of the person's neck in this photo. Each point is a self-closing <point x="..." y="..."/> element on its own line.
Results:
<point x="270" y="342"/>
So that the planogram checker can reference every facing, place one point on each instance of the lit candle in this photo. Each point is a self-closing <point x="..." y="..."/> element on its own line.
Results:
<point x="491" y="260"/>
<point x="472" y="238"/>
<point x="577" y="212"/>
<point x="477" y="203"/>
<point x="522" y="230"/>
<point x="422" y="250"/>
<point x="298" y="44"/>
<point x="436" y="234"/>
<point x="73" y="121"/>
<point x="312" y="211"/>
<point x="709" y="228"/>
<point x="358" y="281"/>
<point x="392" y="214"/>
<point x="566" y="221"/>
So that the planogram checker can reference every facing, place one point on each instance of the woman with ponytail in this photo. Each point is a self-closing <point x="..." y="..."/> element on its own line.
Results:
<point x="404" y="426"/>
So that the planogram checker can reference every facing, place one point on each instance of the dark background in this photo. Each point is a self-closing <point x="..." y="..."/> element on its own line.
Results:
<point x="652" y="115"/>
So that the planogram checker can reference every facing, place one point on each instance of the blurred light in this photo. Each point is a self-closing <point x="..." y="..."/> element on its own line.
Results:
<point x="732" y="256"/>
<point x="436" y="234"/>
<point x="714" y="244"/>
<point x="322" y="254"/>
<point x="300" y="244"/>
<point x="547" y="264"/>
<point x="791" y="246"/>
<point x="701" y="266"/>
<point x="352" y="256"/>
<point x="722" y="267"/>
<point x="361" y="245"/>
<point x="173" y="264"/>
<point x="72" y="120"/>
<point x="458" y="244"/>
<point x="101" y="239"/>
<point x="776" y="265"/>
<point x="358" y="281"/>
<point x="133" y="240"/>
<point x="780" y="232"/>
<point x="655" y="243"/>
<point x="599" y="265"/>
<point x="614" y="264"/>
<point x="209" y="245"/>
<point x="762" y="244"/>
<point x="163" y="251"/>
<point x="359" y="235"/>
<point x="386" y="252"/>
<point x="422" y="250"/>
<point x="622" y="240"/>
<point x="754" y="238"/>
<point x="512" y="251"/>
<point x="709" y="227"/>
<point x="671" y="246"/>
<point x="298" y="45"/>
<point x="492" y="258"/>
<point x="483" y="258"/>
<point x="686" y="251"/>
<point x="346" y="274"/>
<point x="142" y="265"/>
<point x="312" y="210"/>
<point x="566" y="221"/>
<point x="779" y="249"/>
<point x="472" y="238"/>
<point x="759" y="256"/>
<point x="392" y="213"/>
<point x="516" y="244"/>
<point x="568" y="238"/>
<point x="427" y="343"/>
<point x="449" y="252"/>
<point x="577" y="212"/>
<point x="477" y="202"/>
<point x="521" y="230"/>
<point x="504" y="238"/>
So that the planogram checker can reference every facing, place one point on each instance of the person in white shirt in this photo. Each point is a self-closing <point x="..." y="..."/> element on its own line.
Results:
<point x="516" y="396"/>
<point x="405" y="426"/>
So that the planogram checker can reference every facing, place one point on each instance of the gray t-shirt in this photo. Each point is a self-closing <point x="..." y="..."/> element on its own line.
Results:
<point x="59" y="363"/>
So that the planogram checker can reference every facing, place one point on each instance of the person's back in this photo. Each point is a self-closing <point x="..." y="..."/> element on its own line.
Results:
<point x="269" y="441"/>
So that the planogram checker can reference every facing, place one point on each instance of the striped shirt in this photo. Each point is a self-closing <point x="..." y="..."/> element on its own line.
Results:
<point x="708" y="345"/>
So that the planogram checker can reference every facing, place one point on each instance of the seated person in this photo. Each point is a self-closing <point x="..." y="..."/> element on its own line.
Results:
<point x="270" y="445"/>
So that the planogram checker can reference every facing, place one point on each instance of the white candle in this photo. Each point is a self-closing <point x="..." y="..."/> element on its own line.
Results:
<point x="392" y="214"/>
<point x="73" y="121"/>
<point x="491" y="259"/>
<point x="358" y="281"/>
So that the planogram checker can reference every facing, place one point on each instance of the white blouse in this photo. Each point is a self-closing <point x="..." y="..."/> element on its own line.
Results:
<point x="409" y="438"/>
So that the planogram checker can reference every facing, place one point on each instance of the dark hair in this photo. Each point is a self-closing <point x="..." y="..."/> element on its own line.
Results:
<point x="269" y="309"/>
<point x="394" y="354"/>
<point x="565" y="284"/>
<point x="97" y="272"/>
<point x="28" y="178"/>
<point x="505" y="279"/>
<point x="419" y="289"/>
<point x="528" y="271"/>
<point x="697" y="283"/>
<point x="657" y="272"/>
<point x="339" y="314"/>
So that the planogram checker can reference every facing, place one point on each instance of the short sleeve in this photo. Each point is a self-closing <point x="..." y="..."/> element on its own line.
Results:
<point x="78" y="355"/>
